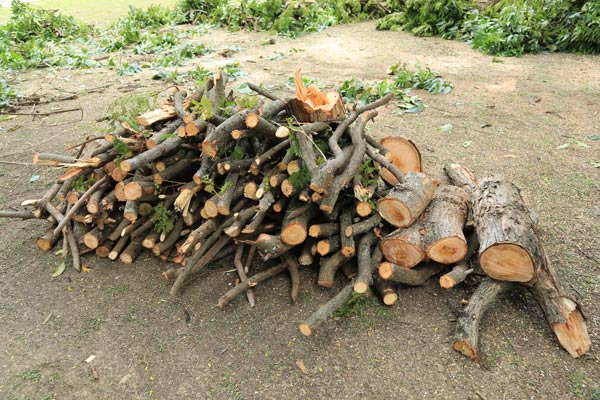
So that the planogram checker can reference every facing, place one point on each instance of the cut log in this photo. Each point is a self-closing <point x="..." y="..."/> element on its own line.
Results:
<point x="324" y="230"/>
<point x="311" y="105"/>
<point x="561" y="311"/>
<point x="364" y="278"/>
<point x="404" y="247"/>
<point x="403" y="154"/>
<point x="508" y="248"/>
<point x="248" y="283"/>
<point x="410" y="277"/>
<point x="407" y="200"/>
<point x="329" y="267"/>
<point x="294" y="228"/>
<point x="446" y="217"/>
<point x="318" y="317"/>
<point x="466" y="336"/>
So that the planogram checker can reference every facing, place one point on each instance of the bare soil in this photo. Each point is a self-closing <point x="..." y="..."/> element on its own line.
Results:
<point x="509" y="117"/>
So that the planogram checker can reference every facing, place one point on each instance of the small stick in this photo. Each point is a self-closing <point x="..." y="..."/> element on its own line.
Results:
<point x="318" y="317"/>
<point x="237" y="261"/>
<point x="79" y="203"/>
<point x="248" y="283"/>
<point x="292" y="266"/>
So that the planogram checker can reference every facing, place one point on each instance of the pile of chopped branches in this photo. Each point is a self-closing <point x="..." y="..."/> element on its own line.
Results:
<point x="299" y="183"/>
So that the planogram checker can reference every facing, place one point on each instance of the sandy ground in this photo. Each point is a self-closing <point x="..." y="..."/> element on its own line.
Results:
<point x="508" y="116"/>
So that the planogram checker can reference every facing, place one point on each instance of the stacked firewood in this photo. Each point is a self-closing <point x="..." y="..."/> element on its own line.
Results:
<point x="296" y="182"/>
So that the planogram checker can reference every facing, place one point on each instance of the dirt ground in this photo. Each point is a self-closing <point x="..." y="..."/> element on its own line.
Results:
<point x="509" y="116"/>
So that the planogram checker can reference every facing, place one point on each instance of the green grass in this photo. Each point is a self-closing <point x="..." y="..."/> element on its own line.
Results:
<point x="100" y="13"/>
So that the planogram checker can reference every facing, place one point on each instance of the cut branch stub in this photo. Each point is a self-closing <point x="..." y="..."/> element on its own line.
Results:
<point x="508" y="247"/>
<point x="407" y="200"/>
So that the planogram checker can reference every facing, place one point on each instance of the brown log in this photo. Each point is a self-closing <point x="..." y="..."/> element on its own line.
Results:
<point x="347" y="242"/>
<point x="363" y="226"/>
<point x="294" y="228"/>
<point x="364" y="278"/>
<point x="407" y="200"/>
<point x="95" y="237"/>
<point x="103" y="250"/>
<point x="461" y="270"/>
<point x="411" y="277"/>
<point x="118" y="247"/>
<point x="363" y="208"/>
<point x="309" y="249"/>
<point x="404" y="246"/>
<point x="466" y="336"/>
<point x="318" y="317"/>
<point x="151" y="117"/>
<point x="385" y="290"/>
<point x="403" y="154"/>
<point x="446" y="217"/>
<point x="163" y="134"/>
<point x="329" y="267"/>
<point x="170" y="240"/>
<point x="508" y="245"/>
<point x="560" y="310"/>
<point x="271" y="246"/>
<point x="150" y="240"/>
<point x="324" y="230"/>
<point x="327" y="246"/>
<point x="131" y="252"/>
<point x="130" y="211"/>
<point x="117" y="232"/>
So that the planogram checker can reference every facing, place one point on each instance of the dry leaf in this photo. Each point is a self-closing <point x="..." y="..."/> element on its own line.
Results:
<point x="300" y="365"/>
<point x="59" y="270"/>
<point x="86" y="267"/>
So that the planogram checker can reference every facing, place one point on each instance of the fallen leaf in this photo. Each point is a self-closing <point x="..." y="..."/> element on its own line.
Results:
<point x="595" y="164"/>
<point x="300" y="365"/>
<point x="58" y="252"/>
<point x="445" y="128"/>
<point x="124" y="379"/>
<point x="582" y="144"/>
<point x="510" y="156"/>
<point x="485" y="126"/>
<point x="34" y="178"/>
<point x="86" y="268"/>
<point x="467" y="143"/>
<point x="594" y="137"/>
<point x="5" y="118"/>
<point x="90" y="359"/>
<point x="564" y="146"/>
<point x="59" y="270"/>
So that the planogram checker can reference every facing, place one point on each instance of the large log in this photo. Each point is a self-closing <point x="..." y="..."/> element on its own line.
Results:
<point x="508" y="248"/>
<point x="404" y="247"/>
<point x="407" y="200"/>
<point x="446" y="217"/>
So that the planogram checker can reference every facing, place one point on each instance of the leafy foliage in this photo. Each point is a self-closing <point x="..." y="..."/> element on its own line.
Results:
<point x="161" y="216"/>
<point x="7" y="94"/>
<point x="506" y="28"/>
<point x="300" y="179"/>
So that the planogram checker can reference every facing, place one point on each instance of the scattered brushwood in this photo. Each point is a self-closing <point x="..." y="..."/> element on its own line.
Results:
<point x="287" y="181"/>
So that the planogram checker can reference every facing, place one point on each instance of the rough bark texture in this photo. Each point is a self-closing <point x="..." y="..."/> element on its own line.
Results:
<point x="407" y="200"/>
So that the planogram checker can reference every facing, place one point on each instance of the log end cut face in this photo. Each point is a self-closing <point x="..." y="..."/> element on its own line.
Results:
<point x="389" y="298"/>
<point x="401" y="253"/>
<point x="448" y="250"/>
<point x="463" y="347"/>
<point x="305" y="329"/>
<point x="395" y="212"/>
<point x="294" y="234"/>
<point x="573" y="334"/>
<point x="508" y="262"/>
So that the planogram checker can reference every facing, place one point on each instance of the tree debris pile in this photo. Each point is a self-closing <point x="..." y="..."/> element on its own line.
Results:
<point x="297" y="182"/>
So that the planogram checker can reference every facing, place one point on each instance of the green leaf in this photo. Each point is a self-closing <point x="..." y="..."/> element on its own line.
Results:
<point x="467" y="143"/>
<point x="582" y="144"/>
<point x="564" y="146"/>
<point x="594" y="137"/>
<point x="59" y="270"/>
<point x="34" y="178"/>
<point x="595" y="164"/>
<point x="445" y="128"/>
